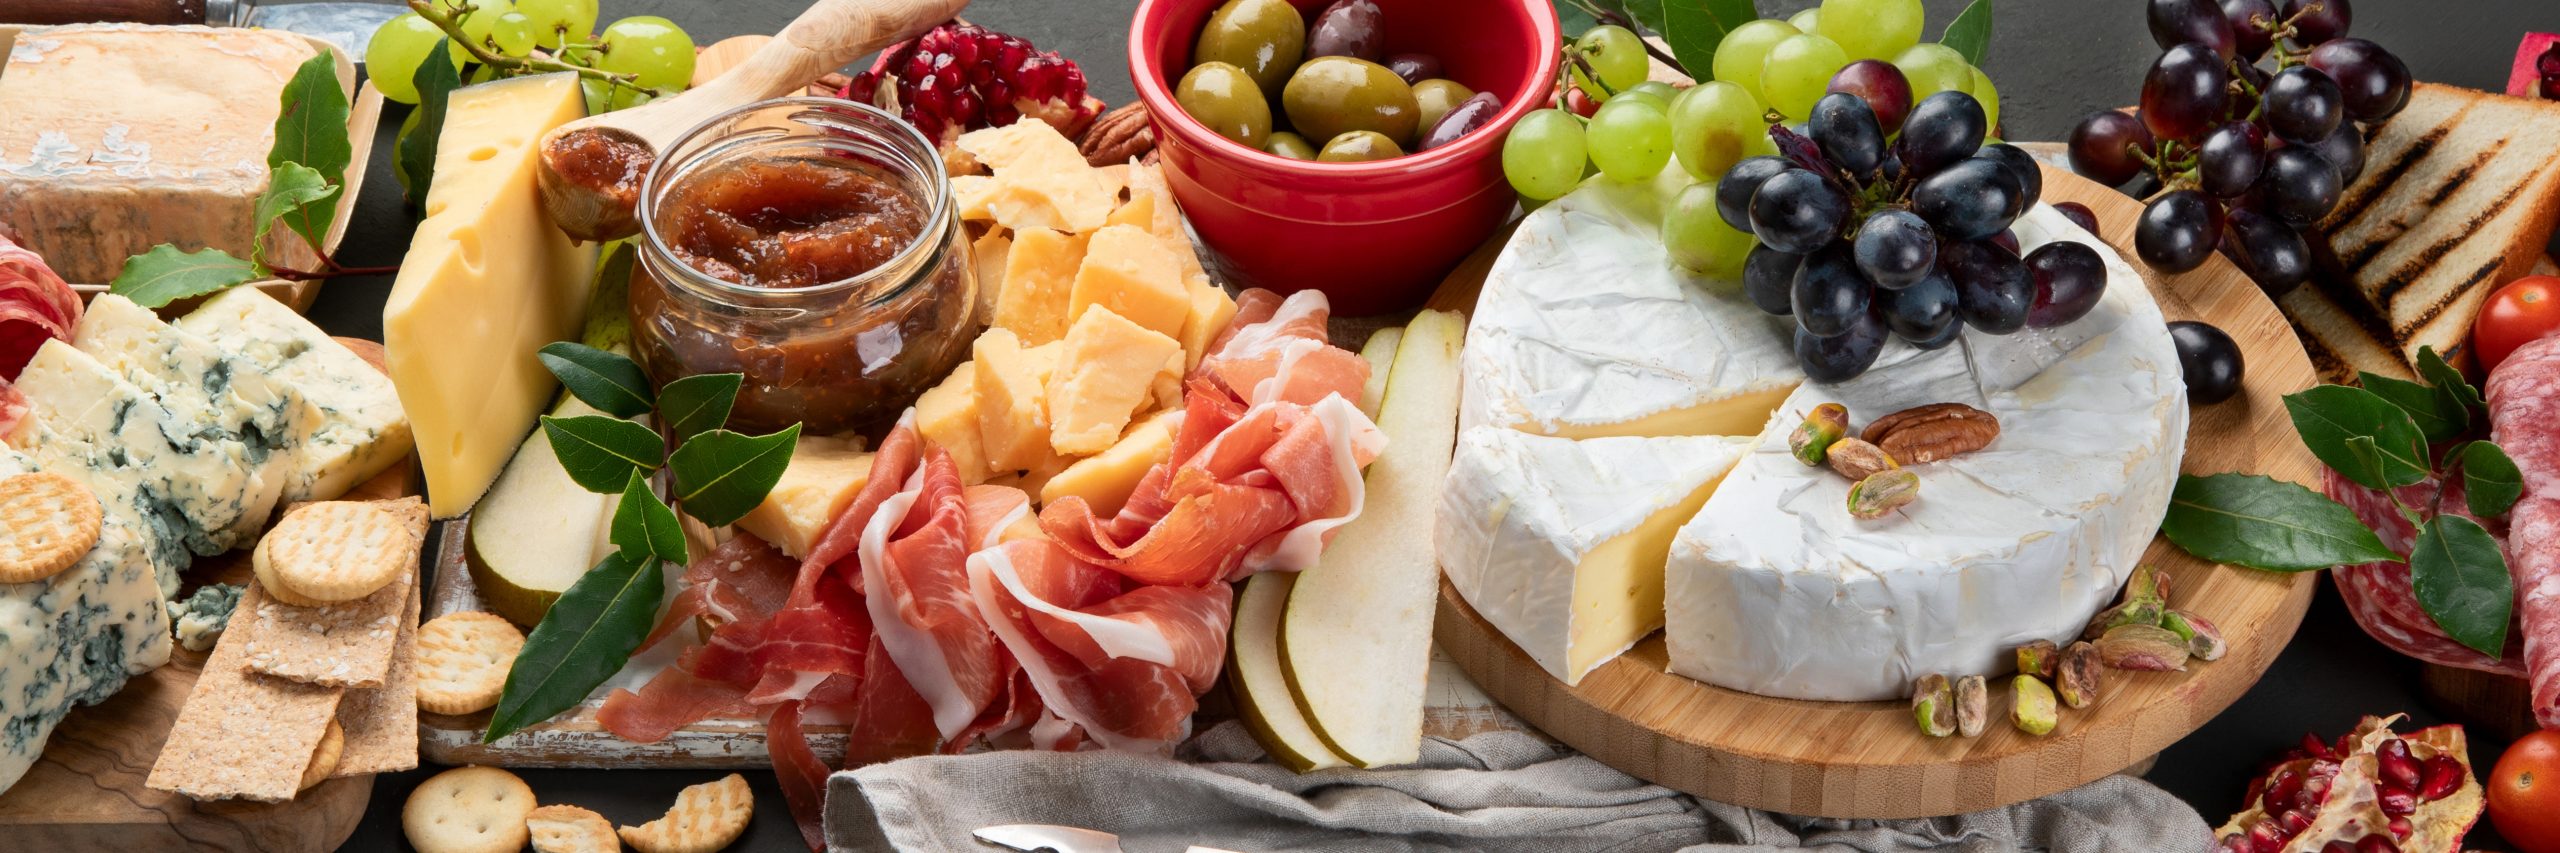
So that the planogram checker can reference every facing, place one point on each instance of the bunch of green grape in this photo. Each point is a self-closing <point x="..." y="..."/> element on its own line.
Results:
<point x="657" y="54"/>
<point x="1612" y="121"/>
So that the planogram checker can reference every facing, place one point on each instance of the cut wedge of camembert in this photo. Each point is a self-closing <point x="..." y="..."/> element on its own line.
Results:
<point x="1560" y="542"/>
<point x="1586" y="329"/>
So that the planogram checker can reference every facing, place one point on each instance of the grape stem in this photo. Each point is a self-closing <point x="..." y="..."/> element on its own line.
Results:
<point x="450" y="23"/>
<point x="1616" y="18"/>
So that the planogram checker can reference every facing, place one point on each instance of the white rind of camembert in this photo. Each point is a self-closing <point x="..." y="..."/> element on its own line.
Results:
<point x="1774" y="589"/>
<point x="1559" y="542"/>
<point x="1586" y="328"/>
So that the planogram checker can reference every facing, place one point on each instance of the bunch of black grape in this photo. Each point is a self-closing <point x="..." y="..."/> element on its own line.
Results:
<point x="2232" y="155"/>
<point x="1861" y="239"/>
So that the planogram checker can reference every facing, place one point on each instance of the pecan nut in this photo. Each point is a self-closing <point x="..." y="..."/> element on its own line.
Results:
<point x="1119" y="136"/>
<point x="1933" y="432"/>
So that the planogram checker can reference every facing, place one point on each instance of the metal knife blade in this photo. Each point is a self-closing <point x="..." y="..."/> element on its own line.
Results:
<point x="350" y="26"/>
<point x="1039" y="836"/>
<point x="347" y="25"/>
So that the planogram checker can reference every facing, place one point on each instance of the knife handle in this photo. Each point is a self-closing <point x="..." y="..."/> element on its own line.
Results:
<point x="88" y="11"/>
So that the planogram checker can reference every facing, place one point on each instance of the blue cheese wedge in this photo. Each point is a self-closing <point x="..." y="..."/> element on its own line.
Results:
<point x="77" y="637"/>
<point x="201" y="491"/>
<point x="362" y="430"/>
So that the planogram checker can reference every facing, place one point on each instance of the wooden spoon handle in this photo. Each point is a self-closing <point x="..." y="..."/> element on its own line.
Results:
<point x="825" y="37"/>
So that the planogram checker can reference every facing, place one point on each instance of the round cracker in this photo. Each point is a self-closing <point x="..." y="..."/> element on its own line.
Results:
<point x="705" y="818"/>
<point x="468" y="810"/>
<point x="335" y="551"/>
<point x="268" y="581"/>
<point x="570" y="829"/>
<point x="324" y="760"/>
<point x="462" y="661"/>
<point x="47" y="523"/>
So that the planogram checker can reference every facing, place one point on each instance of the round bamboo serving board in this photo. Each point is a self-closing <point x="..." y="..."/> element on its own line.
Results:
<point x="1868" y="759"/>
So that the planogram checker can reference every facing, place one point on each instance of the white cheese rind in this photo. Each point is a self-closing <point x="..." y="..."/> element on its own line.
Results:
<point x="1775" y="590"/>
<point x="1521" y="512"/>
<point x="1585" y="326"/>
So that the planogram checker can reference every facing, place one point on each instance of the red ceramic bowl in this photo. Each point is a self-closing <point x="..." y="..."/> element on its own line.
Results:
<point x="1375" y="237"/>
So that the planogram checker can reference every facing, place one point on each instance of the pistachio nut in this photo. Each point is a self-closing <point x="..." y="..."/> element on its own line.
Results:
<point x="2147" y="648"/>
<point x="1973" y="705"/>
<point x="2076" y="675"/>
<point x="1881" y="493"/>
<point x="2204" y="640"/>
<point x="2037" y="658"/>
<point x="1811" y="441"/>
<point x="2031" y="706"/>
<point x="1933" y="705"/>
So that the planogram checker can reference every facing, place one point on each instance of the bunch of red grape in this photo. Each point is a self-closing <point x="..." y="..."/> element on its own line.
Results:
<point x="2234" y="156"/>
<point x="1861" y="239"/>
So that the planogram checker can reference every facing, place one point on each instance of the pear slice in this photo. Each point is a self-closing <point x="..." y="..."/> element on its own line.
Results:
<point x="1356" y="641"/>
<point x="536" y="531"/>
<point x="1262" y="690"/>
<point x="1381" y="355"/>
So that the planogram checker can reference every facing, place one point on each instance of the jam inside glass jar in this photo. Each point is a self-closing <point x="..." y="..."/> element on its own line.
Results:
<point x="812" y="245"/>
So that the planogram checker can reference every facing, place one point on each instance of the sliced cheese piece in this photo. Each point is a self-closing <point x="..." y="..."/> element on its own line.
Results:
<point x="1774" y="589"/>
<point x="989" y="253"/>
<point x="1039" y="271"/>
<point x="487" y="282"/>
<point x="824" y="475"/>
<point x="947" y="416"/>
<point x="1105" y="480"/>
<point x="1040" y="179"/>
<point x="1559" y="543"/>
<point x="1211" y="310"/>
<point x="121" y="137"/>
<point x="1131" y="272"/>
<point x="1107" y="369"/>
<point x="1012" y="390"/>
<point x="1586" y="329"/>
<point x="363" y="431"/>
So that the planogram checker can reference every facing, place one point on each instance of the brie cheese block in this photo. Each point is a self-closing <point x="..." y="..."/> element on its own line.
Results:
<point x="1559" y="542"/>
<point x="1774" y="589"/>
<point x="1586" y="328"/>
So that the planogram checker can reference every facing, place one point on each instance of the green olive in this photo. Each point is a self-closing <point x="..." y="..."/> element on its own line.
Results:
<point x="1223" y="97"/>
<point x="1333" y="95"/>
<point x="1437" y="97"/>
<point x="1359" y="146"/>
<point x="1263" y="37"/>
<point x="1290" y="145"/>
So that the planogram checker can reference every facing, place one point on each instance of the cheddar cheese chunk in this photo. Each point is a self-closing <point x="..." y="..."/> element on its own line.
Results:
<point x="1012" y="389"/>
<point x="1106" y="370"/>
<point x="947" y="415"/>
<point x="1129" y="271"/>
<point x="1040" y="269"/>
<point x="1105" y="480"/>
<point x="824" y="475"/>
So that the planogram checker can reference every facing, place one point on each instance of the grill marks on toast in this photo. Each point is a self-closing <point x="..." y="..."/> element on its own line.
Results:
<point x="2456" y="197"/>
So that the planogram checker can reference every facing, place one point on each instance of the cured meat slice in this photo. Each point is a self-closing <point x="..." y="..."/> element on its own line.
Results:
<point x="2524" y="419"/>
<point x="743" y="578"/>
<point x="994" y="510"/>
<point x="1279" y="351"/>
<point x="2379" y="596"/>
<point x="35" y="305"/>
<point x="913" y="557"/>
<point x="1121" y="702"/>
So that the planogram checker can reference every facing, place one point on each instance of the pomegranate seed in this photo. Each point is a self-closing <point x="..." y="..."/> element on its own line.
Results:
<point x="2401" y="828"/>
<point x="2399" y="768"/>
<point x="2444" y="776"/>
<point x="2266" y="835"/>
<point x="2238" y="843"/>
<point x="2376" y="844"/>
<point x="2282" y="788"/>
<point x="2312" y="746"/>
<point x="2397" y="802"/>
<point x="2337" y="847"/>
<point x="2295" y="822"/>
<point x="2315" y="791"/>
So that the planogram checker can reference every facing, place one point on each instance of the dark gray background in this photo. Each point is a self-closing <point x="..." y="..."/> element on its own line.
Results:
<point x="2053" y="61"/>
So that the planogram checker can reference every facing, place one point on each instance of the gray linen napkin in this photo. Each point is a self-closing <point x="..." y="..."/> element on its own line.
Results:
<point x="1498" y="792"/>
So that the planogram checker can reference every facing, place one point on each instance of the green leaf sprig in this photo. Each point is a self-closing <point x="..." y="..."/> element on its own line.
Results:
<point x="719" y="475"/>
<point x="306" y="179"/>
<point x="2378" y="437"/>
<point x="1970" y="33"/>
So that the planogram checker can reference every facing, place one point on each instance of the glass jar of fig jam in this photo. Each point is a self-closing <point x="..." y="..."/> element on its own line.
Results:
<point x="813" y="245"/>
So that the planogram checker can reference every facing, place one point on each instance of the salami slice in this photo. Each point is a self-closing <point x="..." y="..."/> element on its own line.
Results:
<point x="2524" y="419"/>
<point x="35" y="305"/>
<point x="2379" y="594"/>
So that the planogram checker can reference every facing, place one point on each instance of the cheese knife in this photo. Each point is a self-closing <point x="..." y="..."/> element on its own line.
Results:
<point x="347" y="25"/>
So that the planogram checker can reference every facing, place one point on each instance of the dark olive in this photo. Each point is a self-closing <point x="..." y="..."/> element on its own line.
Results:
<point x="1333" y="95"/>
<point x="1415" y="67"/>
<point x="1353" y="28"/>
<point x="1263" y="37"/>
<point x="1359" y="146"/>
<point x="1437" y="97"/>
<point x="1475" y="113"/>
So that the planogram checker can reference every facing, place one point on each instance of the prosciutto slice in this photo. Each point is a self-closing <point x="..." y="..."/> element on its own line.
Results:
<point x="2524" y="419"/>
<point x="1124" y="666"/>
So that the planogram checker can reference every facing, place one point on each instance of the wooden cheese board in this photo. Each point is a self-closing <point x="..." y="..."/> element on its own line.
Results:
<point x="1868" y="760"/>
<point x="364" y="116"/>
<point x="87" y="794"/>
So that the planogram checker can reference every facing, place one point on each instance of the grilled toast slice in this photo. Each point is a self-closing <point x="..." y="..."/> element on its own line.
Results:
<point x="2459" y="194"/>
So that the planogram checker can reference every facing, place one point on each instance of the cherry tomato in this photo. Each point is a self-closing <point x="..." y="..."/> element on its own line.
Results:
<point x="2525" y="309"/>
<point x="2524" y="793"/>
